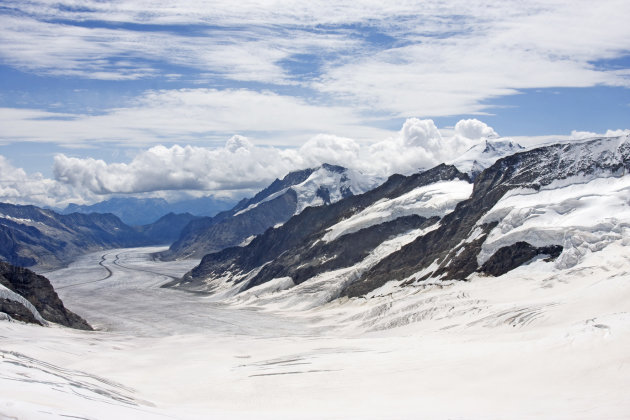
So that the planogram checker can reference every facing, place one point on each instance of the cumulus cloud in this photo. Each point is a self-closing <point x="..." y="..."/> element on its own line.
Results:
<point x="238" y="165"/>
<point x="474" y="129"/>
<point x="421" y="133"/>
<point x="241" y="164"/>
<point x="18" y="187"/>
<point x="327" y="148"/>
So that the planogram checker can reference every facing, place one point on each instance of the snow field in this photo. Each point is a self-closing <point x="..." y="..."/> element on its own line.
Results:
<point x="486" y="358"/>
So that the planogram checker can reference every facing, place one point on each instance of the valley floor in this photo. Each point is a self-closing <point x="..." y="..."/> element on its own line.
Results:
<point x="536" y="343"/>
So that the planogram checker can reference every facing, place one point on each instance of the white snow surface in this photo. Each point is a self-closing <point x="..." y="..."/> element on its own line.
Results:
<point x="484" y="154"/>
<point x="539" y="342"/>
<point x="582" y="215"/>
<point x="334" y="182"/>
<point x="435" y="199"/>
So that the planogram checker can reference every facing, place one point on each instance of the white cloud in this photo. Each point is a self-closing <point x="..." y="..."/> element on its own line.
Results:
<point x="242" y="167"/>
<point x="609" y="133"/>
<point x="18" y="187"/>
<point x="327" y="148"/>
<point x="240" y="164"/>
<point x="178" y="168"/>
<point x="189" y="116"/>
<point x="62" y="49"/>
<point x="474" y="129"/>
<point x="437" y="58"/>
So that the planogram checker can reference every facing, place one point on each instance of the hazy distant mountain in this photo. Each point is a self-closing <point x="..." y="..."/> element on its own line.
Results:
<point x="142" y="211"/>
<point x="166" y="229"/>
<point x="272" y="206"/>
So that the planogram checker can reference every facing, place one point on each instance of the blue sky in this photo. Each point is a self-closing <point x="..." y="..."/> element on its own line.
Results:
<point x="96" y="95"/>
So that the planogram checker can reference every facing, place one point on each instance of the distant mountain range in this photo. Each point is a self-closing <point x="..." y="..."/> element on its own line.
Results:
<point x="553" y="203"/>
<point x="143" y="211"/>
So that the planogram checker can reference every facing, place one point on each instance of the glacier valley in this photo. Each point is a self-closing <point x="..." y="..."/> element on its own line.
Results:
<point x="538" y="342"/>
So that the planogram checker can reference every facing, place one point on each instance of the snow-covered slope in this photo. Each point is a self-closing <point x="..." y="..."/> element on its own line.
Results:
<point x="372" y="323"/>
<point x="580" y="216"/>
<point x="484" y="154"/>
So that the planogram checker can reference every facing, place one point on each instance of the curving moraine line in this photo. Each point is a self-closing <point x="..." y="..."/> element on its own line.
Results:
<point x="109" y="274"/>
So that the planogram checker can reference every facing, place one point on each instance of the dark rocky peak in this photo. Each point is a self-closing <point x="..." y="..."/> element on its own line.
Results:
<point x="30" y="236"/>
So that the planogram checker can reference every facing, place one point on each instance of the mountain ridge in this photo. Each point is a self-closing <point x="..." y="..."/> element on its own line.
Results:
<point x="448" y="248"/>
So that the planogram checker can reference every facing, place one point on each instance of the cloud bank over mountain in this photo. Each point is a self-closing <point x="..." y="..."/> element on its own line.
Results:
<point x="239" y="167"/>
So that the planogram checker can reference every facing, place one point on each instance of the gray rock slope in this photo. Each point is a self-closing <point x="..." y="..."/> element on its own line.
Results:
<point x="40" y="301"/>
<point x="167" y="229"/>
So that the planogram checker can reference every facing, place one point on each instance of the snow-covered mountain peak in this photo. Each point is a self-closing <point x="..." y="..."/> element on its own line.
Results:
<point x="325" y="184"/>
<point x="329" y="184"/>
<point x="484" y="154"/>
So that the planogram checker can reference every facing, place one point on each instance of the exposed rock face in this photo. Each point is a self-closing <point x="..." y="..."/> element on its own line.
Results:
<point x="17" y="311"/>
<point x="510" y="257"/>
<point x="272" y="206"/>
<point x="306" y="261"/>
<point x="39" y="292"/>
<point x="294" y="241"/>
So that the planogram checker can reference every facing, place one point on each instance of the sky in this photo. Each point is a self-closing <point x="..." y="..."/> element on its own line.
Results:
<point x="169" y="99"/>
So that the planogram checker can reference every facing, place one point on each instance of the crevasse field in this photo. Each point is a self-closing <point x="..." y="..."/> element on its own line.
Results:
<point x="546" y="340"/>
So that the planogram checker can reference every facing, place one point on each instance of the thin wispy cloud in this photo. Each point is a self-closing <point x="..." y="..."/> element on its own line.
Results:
<point x="305" y="81"/>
